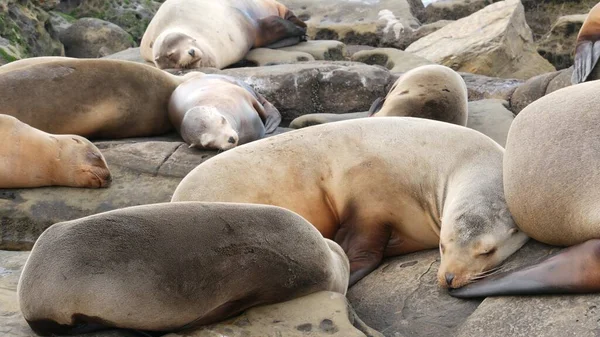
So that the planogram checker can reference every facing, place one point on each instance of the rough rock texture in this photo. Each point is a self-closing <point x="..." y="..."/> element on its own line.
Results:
<point x="481" y="87"/>
<point x="329" y="50"/>
<point x="492" y="118"/>
<point x="558" y="45"/>
<point x="409" y="37"/>
<point x="314" y="87"/>
<point x="60" y="22"/>
<point x="368" y="22"/>
<point x="320" y="314"/>
<point x="453" y="9"/>
<point x="91" y="38"/>
<point x="131" y="15"/>
<point x="541" y="15"/>
<point x="494" y="41"/>
<point x="26" y="26"/>
<point x="266" y="57"/>
<point x="538" y="87"/>
<point x="393" y="59"/>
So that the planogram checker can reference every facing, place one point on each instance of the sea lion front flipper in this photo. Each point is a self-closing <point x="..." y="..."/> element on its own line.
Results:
<point x="376" y="106"/>
<point x="587" y="54"/>
<point x="269" y="114"/>
<point x="572" y="271"/>
<point x="277" y="32"/>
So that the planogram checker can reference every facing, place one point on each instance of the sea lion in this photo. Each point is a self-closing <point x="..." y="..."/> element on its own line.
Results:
<point x="220" y="112"/>
<point x="33" y="158"/>
<point x="208" y="33"/>
<point x="89" y="97"/>
<point x="173" y="266"/>
<point x="379" y="187"/>
<point x="587" y="47"/>
<point x="430" y="91"/>
<point x="551" y="183"/>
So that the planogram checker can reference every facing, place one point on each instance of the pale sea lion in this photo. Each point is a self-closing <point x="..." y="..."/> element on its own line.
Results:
<point x="220" y="112"/>
<point x="587" y="47"/>
<point x="33" y="158"/>
<point x="430" y="91"/>
<point x="551" y="183"/>
<point x="379" y="187"/>
<point x="208" y="33"/>
<point x="89" y="97"/>
<point x="173" y="266"/>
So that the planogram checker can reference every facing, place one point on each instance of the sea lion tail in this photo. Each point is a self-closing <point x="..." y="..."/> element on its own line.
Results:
<point x="572" y="271"/>
<point x="587" y="54"/>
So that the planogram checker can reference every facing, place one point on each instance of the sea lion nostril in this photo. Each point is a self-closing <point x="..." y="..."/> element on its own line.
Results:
<point x="449" y="278"/>
<point x="231" y="140"/>
<point x="192" y="52"/>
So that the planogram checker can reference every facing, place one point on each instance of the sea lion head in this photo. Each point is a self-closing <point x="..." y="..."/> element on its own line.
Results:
<point x="206" y="128"/>
<point x="176" y="50"/>
<point x="85" y="165"/>
<point x="477" y="235"/>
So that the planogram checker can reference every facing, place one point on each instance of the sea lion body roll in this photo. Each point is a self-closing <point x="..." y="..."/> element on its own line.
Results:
<point x="172" y="266"/>
<point x="379" y="187"/>
<point x="220" y="112"/>
<point x="33" y="158"/>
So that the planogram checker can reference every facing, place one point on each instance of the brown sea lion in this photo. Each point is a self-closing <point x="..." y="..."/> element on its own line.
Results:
<point x="379" y="187"/>
<point x="551" y="183"/>
<point x="587" y="47"/>
<point x="33" y="158"/>
<point x="209" y="33"/>
<point x="173" y="266"/>
<point x="220" y="112"/>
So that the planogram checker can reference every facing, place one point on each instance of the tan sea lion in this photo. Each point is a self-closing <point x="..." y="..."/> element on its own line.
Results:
<point x="551" y="183"/>
<point x="33" y="158"/>
<point x="220" y="112"/>
<point x="173" y="266"/>
<point x="587" y="47"/>
<point x="89" y="97"/>
<point x="379" y="187"/>
<point x="430" y="91"/>
<point x="208" y="33"/>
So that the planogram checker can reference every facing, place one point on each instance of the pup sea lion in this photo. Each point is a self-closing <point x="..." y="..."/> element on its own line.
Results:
<point x="32" y="158"/>
<point x="220" y="112"/>
<point x="430" y="91"/>
<point x="551" y="183"/>
<point x="173" y="266"/>
<point x="379" y="187"/>
<point x="208" y="33"/>
<point x="89" y="97"/>
<point x="587" y="47"/>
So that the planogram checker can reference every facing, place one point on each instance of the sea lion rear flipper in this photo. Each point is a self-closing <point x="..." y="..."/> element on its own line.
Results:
<point x="573" y="271"/>
<point x="277" y="32"/>
<point x="376" y="106"/>
<point x="587" y="54"/>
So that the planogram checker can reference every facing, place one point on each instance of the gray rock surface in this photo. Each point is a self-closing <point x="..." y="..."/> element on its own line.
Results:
<point x="492" y="118"/>
<point x="483" y="87"/>
<point x="266" y="57"/>
<point x="453" y="9"/>
<point x="91" y="38"/>
<point x="393" y="59"/>
<point x="130" y="54"/>
<point x="329" y="50"/>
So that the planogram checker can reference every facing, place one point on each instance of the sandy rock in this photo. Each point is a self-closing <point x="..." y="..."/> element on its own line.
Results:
<point x="559" y="44"/>
<point x="267" y="57"/>
<point x="495" y="41"/>
<point x="319" y="314"/>
<point x="492" y="118"/>
<point x="329" y="50"/>
<point x="393" y="59"/>
<point x="91" y="38"/>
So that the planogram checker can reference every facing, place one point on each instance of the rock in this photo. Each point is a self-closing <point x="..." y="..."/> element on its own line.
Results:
<point x="320" y="314"/>
<point x="130" y="54"/>
<point x="482" y="87"/>
<point x="266" y="57"/>
<point x="91" y="38"/>
<point x="131" y="15"/>
<point x="453" y="9"/>
<point x="369" y="22"/>
<point x="355" y="48"/>
<point x="321" y="49"/>
<point x="541" y="15"/>
<point x="12" y="323"/>
<point x="60" y="22"/>
<point x="538" y="87"/>
<point x="313" y="87"/>
<point x="494" y="41"/>
<point x="393" y="59"/>
<point x="8" y="52"/>
<point x="492" y="118"/>
<point x="558" y="45"/>
<point x="408" y="38"/>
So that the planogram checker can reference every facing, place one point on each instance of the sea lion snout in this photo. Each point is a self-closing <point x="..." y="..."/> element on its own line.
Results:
<point x="449" y="277"/>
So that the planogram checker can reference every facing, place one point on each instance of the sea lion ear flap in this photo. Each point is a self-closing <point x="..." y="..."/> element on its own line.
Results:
<point x="376" y="106"/>
<point x="587" y="54"/>
<point x="290" y="16"/>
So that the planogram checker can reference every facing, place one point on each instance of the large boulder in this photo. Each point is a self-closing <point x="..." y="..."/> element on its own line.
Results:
<point x="92" y="38"/>
<point x="541" y="15"/>
<point x="558" y="45"/>
<point x="357" y="22"/>
<point x="494" y="41"/>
